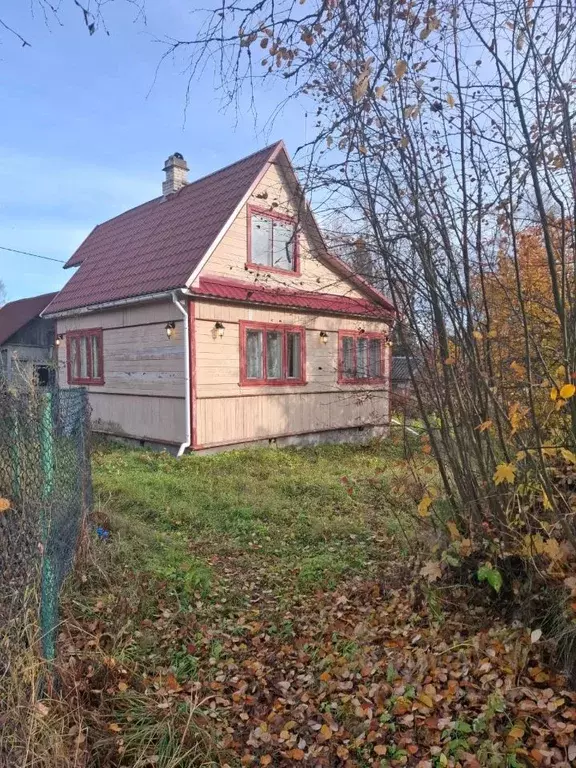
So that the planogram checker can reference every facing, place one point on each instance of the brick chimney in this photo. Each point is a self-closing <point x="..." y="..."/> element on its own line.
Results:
<point x="176" y="174"/>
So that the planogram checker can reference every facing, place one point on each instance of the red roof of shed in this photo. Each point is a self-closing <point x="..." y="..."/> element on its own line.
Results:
<point x="234" y="290"/>
<point x="155" y="247"/>
<point x="17" y="314"/>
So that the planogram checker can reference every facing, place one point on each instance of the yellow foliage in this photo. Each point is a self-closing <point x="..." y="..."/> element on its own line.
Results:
<point x="424" y="506"/>
<point x="505" y="473"/>
<point x="567" y="391"/>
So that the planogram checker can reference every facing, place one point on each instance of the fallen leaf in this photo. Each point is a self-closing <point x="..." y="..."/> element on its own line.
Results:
<point x="535" y="635"/>
<point x="505" y="473"/>
<point x="4" y="505"/>
<point x="432" y="570"/>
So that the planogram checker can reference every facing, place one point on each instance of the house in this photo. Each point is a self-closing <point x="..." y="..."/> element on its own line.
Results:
<point x="213" y="316"/>
<point x="27" y="340"/>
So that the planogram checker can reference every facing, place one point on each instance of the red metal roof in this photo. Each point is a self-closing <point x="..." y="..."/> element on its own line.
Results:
<point x="17" y="314"/>
<point x="156" y="246"/>
<point x="234" y="290"/>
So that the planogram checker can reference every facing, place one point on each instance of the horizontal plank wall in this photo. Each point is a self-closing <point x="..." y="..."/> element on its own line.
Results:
<point x="143" y="395"/>
<point x="227" y="412"/>
<point x="231" y="255"/>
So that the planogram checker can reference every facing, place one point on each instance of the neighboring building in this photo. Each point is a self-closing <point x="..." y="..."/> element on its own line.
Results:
<point x="27" y="340"/>
<point x="214" y="316"/>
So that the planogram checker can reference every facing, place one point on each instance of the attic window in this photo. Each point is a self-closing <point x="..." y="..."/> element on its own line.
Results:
<point x="272" y="241"/>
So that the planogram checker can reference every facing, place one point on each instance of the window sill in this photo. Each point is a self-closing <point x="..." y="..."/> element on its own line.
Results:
<point x="272" y="270"/>
<point x="274" y="383"/>
<point x="356" y="382"/>
<point x="87" y="382"/>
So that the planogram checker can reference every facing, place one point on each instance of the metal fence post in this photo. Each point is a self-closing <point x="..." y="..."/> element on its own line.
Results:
<point x="15" y="454"/>
<point x="49" y="594"/>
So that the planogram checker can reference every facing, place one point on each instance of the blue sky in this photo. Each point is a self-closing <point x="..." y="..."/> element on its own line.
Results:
<point x="85" y="127"/>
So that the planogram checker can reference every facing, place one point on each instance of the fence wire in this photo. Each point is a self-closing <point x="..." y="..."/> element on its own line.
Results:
<point x="45" y="492"/>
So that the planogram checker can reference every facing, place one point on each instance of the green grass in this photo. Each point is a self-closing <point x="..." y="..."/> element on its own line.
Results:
<point x="295" y="519"/>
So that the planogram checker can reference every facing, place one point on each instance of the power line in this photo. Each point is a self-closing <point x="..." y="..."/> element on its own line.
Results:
<point x="29" y="253"/>
<point x="36" y="255"/>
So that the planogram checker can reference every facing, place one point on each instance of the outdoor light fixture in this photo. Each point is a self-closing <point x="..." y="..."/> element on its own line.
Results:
<point x="219" y="329"/>
<point x="59" y="339"/>
<point x="170" y="328"/>
<point x="323" y="337"/>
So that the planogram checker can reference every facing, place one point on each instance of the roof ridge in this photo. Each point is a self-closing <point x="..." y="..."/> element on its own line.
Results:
<point x="29" y="298"/>
<point x="236" y="162"/>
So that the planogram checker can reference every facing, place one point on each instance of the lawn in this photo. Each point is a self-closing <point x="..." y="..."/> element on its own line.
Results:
<point x="299" y="518"/>
<point x="260" y="608"/>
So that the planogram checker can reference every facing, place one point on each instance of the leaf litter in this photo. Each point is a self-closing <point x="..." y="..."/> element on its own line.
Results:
<point x="373" y="673"/>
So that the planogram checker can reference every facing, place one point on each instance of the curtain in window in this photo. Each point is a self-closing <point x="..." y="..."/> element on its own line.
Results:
<point x="294" y="356"/>
<point x="274" y="355"/>
<point x="375" y="358"/>
<point x="348" y="357"/>
<point x="283" y="239"/>
<point x="362" y="358"/>
<point x="95" y="350"/>
<point x="74" y="358"/>
<point x="261" y="240"/>
<point x="83" y="357"/>
<point x="254" y="367"/>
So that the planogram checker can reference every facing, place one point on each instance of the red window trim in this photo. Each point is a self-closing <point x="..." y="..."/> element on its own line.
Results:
<point x="89" y="333"/>
<point x="342" y="379"/>
<point x="254" y="209"/>
<point x="285" y="329"/>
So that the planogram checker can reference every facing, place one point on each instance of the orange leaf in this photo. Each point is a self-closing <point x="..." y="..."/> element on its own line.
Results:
<point x="265" y="760"/>
<point x="325" y="733"/>
<point x="114" y="727"/>
<point x="4" y="505"/>
<point x="325" y="676"/>
<point x="295" y="754"/>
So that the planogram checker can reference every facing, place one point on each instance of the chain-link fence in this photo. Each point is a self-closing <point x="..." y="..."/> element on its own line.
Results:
<point x="45" y="492"/>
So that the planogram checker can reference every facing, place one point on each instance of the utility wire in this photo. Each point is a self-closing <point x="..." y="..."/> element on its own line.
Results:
<point x="36" y="255"/>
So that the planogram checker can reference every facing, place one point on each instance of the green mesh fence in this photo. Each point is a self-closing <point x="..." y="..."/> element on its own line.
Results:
<point x="45" y="492"/>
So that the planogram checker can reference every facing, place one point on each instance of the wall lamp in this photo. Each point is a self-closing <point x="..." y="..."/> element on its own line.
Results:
<point x="323" y="337"/>
<point x="219" y="329"/>
<point x="59" y="339"/>
<point x="170" y="327"/>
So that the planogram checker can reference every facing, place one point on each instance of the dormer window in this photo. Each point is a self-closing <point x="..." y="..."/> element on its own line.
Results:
<point x="272" y="241"/>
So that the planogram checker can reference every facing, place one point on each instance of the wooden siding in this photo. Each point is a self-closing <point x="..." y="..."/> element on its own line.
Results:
<point x="144" y="379"/>
<point x="230" y="256"/>
<point x="226" y="412"/>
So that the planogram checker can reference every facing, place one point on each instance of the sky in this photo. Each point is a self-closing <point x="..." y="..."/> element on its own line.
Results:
<point x="86" y="123"/>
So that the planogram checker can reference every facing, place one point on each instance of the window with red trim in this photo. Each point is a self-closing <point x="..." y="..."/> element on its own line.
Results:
<point x="84" y="356"/>
<point x="361" y="357"/>
<point x="272" y="354"/>
<point x="272" y="241"/>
